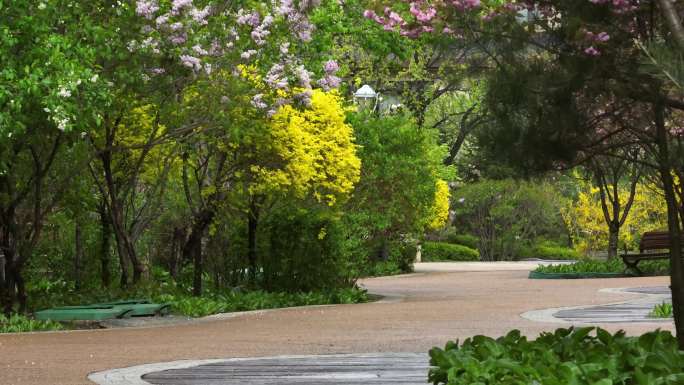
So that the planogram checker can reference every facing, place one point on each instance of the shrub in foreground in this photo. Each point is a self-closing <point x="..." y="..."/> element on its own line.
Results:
<point x="439" y="251"/>
<point x="567" y="356"/>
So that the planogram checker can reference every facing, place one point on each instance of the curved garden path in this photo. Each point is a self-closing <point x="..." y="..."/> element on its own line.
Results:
<point x="421" y="310"/>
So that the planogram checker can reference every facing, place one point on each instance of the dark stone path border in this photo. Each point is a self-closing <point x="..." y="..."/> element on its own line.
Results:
<point x="338" y="369"/>
<point x="632" y="311"/>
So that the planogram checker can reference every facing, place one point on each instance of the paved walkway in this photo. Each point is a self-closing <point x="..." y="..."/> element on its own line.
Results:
<point x="421" y="311"/>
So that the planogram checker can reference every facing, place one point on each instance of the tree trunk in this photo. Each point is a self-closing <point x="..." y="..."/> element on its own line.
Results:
<point x="124" y="240"/>
<point x="613" y="237"/>
<point x="673" y="21"/>
<point x="125" y="245"/>
<point x="105" y="226"/>
<point x="123" y="264"/>
<point x="21" y="289"/>
<point x="12" y="288"/>
<point x="78" y="256"/>
<point x="8" y="288"/>
<point x="676" y="263"/>
<point x="252" y="224"/>
<point x="193" y="247"/>
<point x="177" y="242"/>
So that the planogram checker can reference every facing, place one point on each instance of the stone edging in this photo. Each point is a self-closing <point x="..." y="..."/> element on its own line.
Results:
<point x="133" y="375"/>
<point x="547" y="315"/>
<point x="586" y="275"/>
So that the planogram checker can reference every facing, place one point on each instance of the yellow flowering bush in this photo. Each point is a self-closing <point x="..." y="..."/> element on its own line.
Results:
<point x="585" y="220"/>
<point x="440" y="208"/>
<point x="313" y="151"/>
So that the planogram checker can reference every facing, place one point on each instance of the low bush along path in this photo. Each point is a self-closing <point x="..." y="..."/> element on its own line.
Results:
<point x="420" y="311"/>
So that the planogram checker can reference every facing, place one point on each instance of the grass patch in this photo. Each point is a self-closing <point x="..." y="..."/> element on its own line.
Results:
<point x="663" y="310"/>
<point x="583" y="356"/>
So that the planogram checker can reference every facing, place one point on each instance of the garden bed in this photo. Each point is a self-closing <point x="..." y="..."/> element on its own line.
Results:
<point x="578" y="275"/>
<point x="589" y="268"/>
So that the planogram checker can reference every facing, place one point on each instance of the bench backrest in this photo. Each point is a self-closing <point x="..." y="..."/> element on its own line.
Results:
<point x="655" y="240"/>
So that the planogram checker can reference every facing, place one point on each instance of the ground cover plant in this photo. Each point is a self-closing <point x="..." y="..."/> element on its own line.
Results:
<point x="583" y="356"/>
<point x="663" y="310"/>
<point x="256" y="300"/>
<point x="382" y="268"/>
<point x="614" y="265"/>
<point x="184" y="303"/>
<point x="19" y="323"/>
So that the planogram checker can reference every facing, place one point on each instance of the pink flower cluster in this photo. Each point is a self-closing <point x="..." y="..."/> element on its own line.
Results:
<point x="421" y="12"/>
<point x="146" y="8"/>
<point x="180" y="28"/>
<point x="425" y="15"/>
<point x="595" y="38"/>
<point x="619" y="6"/>
<point x="330" y="81"/>
<point x="466" y="5"/>
<point x="173" y="27"/>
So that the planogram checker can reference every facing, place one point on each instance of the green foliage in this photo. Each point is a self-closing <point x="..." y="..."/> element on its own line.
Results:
<point x="60" y="293"/>
<point x="462" y="239"/>
<point x="508" y="215"/>
<point x="403" y="253"/>
<point x="381" y="269"/>
<point x="18" y="323"/>
<point x="255" y="300"/>
<point x="401" y="164"/>
<point x="305" y="251"/>
<point x="566" y="356"/>
<point x="549" y="250"/>
<point x="439" y="251"/>
<point x="614" y="265"/>
<point x="663" y="310"/>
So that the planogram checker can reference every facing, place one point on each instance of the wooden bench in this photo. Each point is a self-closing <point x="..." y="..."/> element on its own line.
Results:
<point x="654" y="245"/>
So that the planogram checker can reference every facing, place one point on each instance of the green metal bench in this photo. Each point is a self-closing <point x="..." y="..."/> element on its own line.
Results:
<point x="106" y="310"/>
<point x="87" y="313"/>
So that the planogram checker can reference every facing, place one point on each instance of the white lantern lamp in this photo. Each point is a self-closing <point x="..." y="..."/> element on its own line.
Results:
<point x="366" y="94"/>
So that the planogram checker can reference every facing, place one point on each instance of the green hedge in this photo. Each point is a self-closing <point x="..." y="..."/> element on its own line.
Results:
<point x="567" y="356"/>
<point x="439" y="251"/>
<point x="549" y="250"/>
<point x="463" y="239"/>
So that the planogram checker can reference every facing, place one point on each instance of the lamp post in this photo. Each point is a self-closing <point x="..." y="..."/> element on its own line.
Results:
<point x="365" y="96"/>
